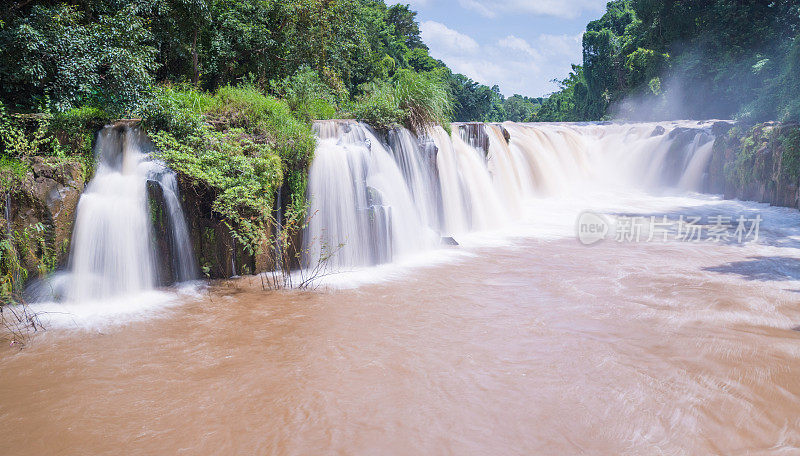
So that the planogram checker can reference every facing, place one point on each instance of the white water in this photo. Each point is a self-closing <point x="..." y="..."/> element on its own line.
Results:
<point x="454" y="188"/>
<point x="388" y="200"/>
<point x="111" y="240"/>
<point x="362" y="209"/>
<point x="113" y="265"/>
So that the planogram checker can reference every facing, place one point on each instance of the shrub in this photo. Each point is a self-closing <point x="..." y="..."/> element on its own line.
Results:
<point x="241" y="175"/>
<point x="175" y="109"/>
<point x="24" y="135"/>
<point x="308" y="96"/>
<point x="413" y="99"/>
<point x="12" y="171"/>
<point x="378" y="106"/>
<point x="266" y="117"/>
<point x="248" y="143"/>
<point x="75" y="130"/>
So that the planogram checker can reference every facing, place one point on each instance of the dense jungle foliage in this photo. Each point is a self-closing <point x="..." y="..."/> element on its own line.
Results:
<point x="326" y="58"/>
<point x="661" y="59"/>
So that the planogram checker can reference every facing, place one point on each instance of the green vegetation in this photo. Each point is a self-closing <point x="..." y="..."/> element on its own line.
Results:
<point x="55" y="58"/>
<point x="743" y="170"/>
<point x="411" y="99"/>
<point x="61" y="137"/>
<point x="766" y="152"/>
<point x="666" y="59"/>
<point x="25" y="246"/>
<point x="790" y="160"/>
<point x="477" y="102"/>
<point x="46" y="140"/>
<point x="236" y="150"/>
<point x="12" y="171"/>
<point x="227" y="90"/>
<point x="324" y="58"/>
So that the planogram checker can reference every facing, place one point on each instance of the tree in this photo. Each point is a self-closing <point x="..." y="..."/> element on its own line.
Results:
<point x="406" y="28"/>
<point x="53" y="57"/>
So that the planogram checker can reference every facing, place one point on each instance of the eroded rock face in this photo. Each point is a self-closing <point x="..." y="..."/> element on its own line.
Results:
<point x="160" y="229"/>
<point x="219" y="256"/>
<point x="47" y="198"/>
<point x="474" y="134"/>
<point x="757" y="164"/>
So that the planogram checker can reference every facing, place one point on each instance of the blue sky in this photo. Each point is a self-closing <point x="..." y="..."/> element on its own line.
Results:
<point x="521" y="45"/>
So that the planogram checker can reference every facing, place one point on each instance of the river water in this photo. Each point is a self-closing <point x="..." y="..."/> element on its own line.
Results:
<point x="514" y="343"/>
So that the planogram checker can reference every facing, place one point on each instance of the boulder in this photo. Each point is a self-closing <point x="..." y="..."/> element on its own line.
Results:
<point x="41" y="211"/>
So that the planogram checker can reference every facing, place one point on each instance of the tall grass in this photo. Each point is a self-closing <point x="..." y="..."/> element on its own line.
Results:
<point x="424" y="98"/>
<point x="378" y="106"/>
<point x="415" y="100"/>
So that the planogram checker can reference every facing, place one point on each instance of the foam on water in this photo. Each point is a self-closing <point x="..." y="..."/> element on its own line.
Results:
<point x="381" y="203"/>
<point x="529" y="180"/>
<point x="97" y="314"/>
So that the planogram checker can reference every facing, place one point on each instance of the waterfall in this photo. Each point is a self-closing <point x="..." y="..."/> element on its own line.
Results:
<point x="112" y="244"/>
<point x="375" y="198"/>
<point x="362" y="209"/>
<point x="184" y="264"/>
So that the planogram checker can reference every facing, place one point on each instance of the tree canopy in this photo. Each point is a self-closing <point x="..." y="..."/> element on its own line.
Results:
<point x="654" y="59"/>
<point x="110" y="54"/>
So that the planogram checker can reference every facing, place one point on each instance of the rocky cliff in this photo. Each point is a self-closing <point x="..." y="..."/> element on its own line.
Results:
<point x="39" y="211"/>
<point x="759" y="163"/>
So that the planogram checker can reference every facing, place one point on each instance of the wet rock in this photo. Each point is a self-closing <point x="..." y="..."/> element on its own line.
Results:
<point x="218" y="253"/>
<point x="474" y="134"/>
<point x="721" y="127"/>
<point x="748" y="163"/>
<point x="160" y="235"/>
<point x="447" y="240"/>
<point x="506" y="134"/>
<point x="658" y="131"/>
<point x="43" y="205"/>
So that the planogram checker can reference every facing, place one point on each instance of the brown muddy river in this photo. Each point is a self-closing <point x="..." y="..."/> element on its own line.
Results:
<point x="540" y="347"/>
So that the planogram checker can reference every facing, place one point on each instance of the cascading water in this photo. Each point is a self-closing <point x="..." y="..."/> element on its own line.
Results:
<point x="373" y="201"/>
<point x="417" y="165"/>
<point x="184" y="265"/>
<point x="112" y="245"/>
<point x="362" y="210"/>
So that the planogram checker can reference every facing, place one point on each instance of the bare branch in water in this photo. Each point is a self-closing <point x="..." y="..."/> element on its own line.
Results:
<point x="17" y="321"/>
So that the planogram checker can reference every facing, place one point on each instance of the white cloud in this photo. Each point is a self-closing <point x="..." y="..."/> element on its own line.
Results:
<point x="446" y="39"/>
<point x="478" y="7"/>
<point x="562" y="44"/>
<point x="559" y="8"/>
<point x="515" y="64"/>
<point x="518" y="44"/>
